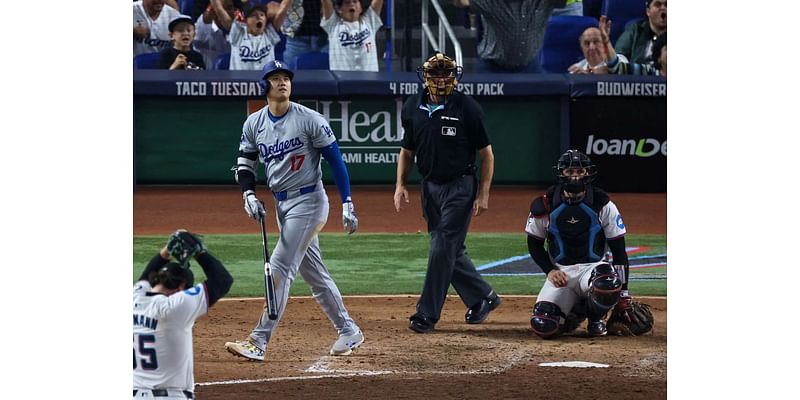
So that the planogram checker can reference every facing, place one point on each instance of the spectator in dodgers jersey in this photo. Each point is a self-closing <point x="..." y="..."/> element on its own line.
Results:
<point x="166" y="302"/>
<point x="513" y="31"/>
<point x="181" y="55"/>
<point x="252" y="41"/>
<point x="151" y="20"/>
<point x="351" y="33"/>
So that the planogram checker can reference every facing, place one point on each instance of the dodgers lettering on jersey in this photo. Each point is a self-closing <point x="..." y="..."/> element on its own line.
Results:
<point x="289" y="148"/>
<point x="249" y="52"/>
<point x="353" y="39"/>
<point x="162" y="336"/>
<point x="352" y="44"/>
<point x="279" y="149"/>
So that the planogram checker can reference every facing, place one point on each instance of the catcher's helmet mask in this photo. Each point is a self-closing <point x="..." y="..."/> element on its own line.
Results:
<point x="272" y="68"/>
<point x="440" y="74"/>
<point x="574" y="171"/>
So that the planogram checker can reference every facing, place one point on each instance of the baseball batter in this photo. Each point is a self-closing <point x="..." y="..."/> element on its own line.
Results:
<point x="289" y="139"/>
<point x="580" y="224"/>
<point x="165" y="305"/>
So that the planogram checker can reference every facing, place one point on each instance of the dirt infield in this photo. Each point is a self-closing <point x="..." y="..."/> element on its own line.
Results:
<point x="498" y="359"/>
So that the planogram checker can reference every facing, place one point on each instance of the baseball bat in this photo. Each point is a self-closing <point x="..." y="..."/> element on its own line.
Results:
<point x="269" y="285"/>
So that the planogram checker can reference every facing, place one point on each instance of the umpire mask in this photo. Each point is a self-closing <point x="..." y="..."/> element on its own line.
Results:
<point x="440" y="74"/>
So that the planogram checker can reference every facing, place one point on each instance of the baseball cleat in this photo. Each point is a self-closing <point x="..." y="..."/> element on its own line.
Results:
<point x="479" y="312"/>
<point x="347" y="343"/>
<point x="596" y="328"/>
<point x="245" y="348"/>
<point x="420" y="324"/>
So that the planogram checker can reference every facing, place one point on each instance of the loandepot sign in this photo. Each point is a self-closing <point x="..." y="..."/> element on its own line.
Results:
<point x="645" y="147"/>
<point x="368" y="132"/>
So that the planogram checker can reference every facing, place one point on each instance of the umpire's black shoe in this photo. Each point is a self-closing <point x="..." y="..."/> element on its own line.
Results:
<point x="479" y="312"/>
<point x="420" y="324"/>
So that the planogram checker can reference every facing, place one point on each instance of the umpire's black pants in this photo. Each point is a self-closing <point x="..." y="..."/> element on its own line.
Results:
<point x="447" y="208"/>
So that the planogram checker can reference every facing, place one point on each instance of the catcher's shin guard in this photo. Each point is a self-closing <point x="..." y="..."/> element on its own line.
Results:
<point x="546" y="319"/>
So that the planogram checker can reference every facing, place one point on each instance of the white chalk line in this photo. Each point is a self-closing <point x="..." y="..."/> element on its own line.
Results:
<point x="322" y="367"/>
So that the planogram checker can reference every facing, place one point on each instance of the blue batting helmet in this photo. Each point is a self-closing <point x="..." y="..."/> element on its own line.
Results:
<point x="273" y="67"/>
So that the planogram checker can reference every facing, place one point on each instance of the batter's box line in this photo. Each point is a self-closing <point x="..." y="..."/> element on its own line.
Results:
<point x="323" y="364"/>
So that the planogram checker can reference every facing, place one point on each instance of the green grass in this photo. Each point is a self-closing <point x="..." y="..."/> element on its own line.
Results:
<point x="381" y="263"/>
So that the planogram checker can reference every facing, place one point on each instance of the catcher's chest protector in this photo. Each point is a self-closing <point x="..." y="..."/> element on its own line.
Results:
<point x="574" y="233"/>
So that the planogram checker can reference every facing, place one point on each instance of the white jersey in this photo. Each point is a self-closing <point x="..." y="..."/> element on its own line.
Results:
<point x="289" y="147"/>
<point x="352" y="44"/>
<point x="250" y="52"/>
<point x="159" y="29"/>
<point x="162" y="336"/>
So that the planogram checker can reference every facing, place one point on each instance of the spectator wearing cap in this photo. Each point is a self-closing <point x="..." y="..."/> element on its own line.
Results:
<point x="252" y="40"/>
<point x="150" y="26"/>
<point x="636" y="42"/>
<point x="181" y="55"/>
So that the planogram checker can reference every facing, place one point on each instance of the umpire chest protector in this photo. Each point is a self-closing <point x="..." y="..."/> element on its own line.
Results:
<point x="574" y="234"/>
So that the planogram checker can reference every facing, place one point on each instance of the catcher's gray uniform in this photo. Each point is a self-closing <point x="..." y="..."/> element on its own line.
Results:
<point x="289" y="148"/>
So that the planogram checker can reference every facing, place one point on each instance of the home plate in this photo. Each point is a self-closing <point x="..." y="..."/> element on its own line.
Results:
<point x="574" y="364"/>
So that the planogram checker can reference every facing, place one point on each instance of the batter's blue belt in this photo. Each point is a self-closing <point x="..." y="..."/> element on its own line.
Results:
<point x="164" y="393"/>
<point x="290" y="194"/>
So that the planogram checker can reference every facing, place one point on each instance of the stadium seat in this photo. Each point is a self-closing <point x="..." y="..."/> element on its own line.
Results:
<point x="186" y="6"/>
<point x="146" y="61"/>
<point x="592" y="8"/>
<point x="312" y="60"/>
<point x="222" y="62"/>
<point x="620" y="12"/>
<point x="560" y="46"/>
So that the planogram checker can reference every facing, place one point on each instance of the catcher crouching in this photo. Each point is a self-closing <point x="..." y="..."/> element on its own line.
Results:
<point x="570" y="230"/>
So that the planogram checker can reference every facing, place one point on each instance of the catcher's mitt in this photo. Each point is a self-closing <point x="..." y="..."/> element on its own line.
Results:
<point x="631" y="319"/>
<point x="183" y="245"/>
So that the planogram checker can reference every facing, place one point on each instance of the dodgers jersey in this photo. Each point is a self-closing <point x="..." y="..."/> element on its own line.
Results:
<point x="249" y="52"/>
<point x="162" y="336"/>
<point x="159" y="29"/>
<point x="288" y="148"/>
<point x="352" y="44"/>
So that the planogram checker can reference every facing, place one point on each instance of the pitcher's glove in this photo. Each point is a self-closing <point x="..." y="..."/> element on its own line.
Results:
<point x="184" y="245"/>
<point x="630" y="318"/>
